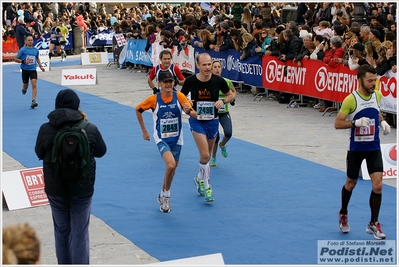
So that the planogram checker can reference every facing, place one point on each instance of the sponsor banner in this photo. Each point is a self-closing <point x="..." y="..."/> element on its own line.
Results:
<point x="44" y="59"/>
<point x="248" y="71"/>
<point x="78" y="76"/>
<point x="314" y="78"/>
<point x="38" y="42"/>
<point x="10" y="48"/>
<point x="388" y="87"/>
<point x="185" y="60"/>
<point x="94" y="58"/>
<point x="103" y="38"/>
<point x="136" y="52"/>
<point x="389" y="155"/>
<point x="24" y="188"/>
<point x="356" y="252"/>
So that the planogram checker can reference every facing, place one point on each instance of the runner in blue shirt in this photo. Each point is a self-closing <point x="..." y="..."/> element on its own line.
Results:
<point x="28" y="56"/>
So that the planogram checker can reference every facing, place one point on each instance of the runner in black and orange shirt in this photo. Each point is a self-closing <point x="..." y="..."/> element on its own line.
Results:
<point x="204" y="89"/>
<point x="167" y="109"/>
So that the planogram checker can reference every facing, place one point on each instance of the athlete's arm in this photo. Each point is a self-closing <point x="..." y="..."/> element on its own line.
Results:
<point x="179" y="75"/>
<point x="151" y="77"/>
<point x="186" y="104"/>
<point x="149" y="103"/>
<point x="348" y="106"/>
<point x="40" y="64"/>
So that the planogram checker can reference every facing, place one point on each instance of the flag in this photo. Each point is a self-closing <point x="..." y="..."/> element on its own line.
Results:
<point x="207" y="6"/>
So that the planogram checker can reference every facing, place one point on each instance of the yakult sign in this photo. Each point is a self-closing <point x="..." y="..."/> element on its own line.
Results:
<point x="78" y="76"/>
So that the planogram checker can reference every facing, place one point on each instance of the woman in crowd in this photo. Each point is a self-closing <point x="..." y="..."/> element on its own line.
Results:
<point x="357" y="56"/>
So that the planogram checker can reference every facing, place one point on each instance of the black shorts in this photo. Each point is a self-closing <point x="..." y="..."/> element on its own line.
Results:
<point x="354" y="162"/>
<point x="55" y="42"/>
<point x="28" y="74"/>
<point x="62" y="42"/>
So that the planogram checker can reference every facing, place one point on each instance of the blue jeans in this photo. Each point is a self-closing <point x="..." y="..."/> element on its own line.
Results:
<point x="71" y="229"/>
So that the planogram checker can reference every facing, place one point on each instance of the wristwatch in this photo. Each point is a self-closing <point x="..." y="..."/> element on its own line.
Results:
<point x="353" y="123"/>
<point x="224" y="101"/>
<point x="188" y="112"/>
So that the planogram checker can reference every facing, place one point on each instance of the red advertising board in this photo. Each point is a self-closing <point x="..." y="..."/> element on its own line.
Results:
<point x="313" y="78"/>
<point x="10" y="48"/>
<point x="33" y="180"/>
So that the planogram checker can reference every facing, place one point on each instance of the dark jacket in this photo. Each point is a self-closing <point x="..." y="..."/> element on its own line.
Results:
<point x="249" y="50"/>
<point x="169" y="27"/>
<point x="11" y="12"/>
<point x="294" y="46"/>
<point x="20" y="33"/>
<point x="226" y="44"/>
<point x="67" y="103"/>
<point x="383" y="66"/>
<point x="302" y="53"/>
<point x="28" y="17"/>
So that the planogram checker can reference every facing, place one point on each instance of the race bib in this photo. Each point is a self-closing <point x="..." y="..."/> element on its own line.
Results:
<point x="205" y="110"/>
<point x="169" y="127"/>
<point x="30" y="60"/>
<point x="365" y="133"/>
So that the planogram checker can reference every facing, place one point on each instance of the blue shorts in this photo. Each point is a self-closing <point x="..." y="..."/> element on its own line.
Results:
<point x="209" y="128"/>
<point x="175" y="150"/>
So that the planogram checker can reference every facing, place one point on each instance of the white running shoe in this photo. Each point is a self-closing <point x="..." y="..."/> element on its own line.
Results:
<point x="343" y="223"/>
<point x="165" y="204"/>
<point x="317" y="106"/>
<point x="375" y="230"/>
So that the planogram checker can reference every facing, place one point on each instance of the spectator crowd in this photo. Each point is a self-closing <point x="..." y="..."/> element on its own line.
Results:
<point x="321" y="31"/>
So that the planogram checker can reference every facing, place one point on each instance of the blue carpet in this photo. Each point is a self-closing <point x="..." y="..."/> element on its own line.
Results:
<point x="270" y="207"/>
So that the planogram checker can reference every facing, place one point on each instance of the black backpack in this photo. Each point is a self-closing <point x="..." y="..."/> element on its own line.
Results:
<point x="71" y="152"/>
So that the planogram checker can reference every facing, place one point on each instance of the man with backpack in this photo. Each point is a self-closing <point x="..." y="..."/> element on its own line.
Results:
<point x="166" y="66"/>
<point x="67" y="144"/>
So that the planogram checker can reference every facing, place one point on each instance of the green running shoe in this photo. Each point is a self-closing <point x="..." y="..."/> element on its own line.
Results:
<point x="208" y="195"/>
<point x="200" y="186"/>
<point x="223" y="150"/>
<point x="213" y="162"/>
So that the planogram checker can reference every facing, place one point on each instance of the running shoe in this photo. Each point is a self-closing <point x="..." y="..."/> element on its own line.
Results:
<point x="164" y="204"/>
<point x="343" y="223"/>
<point x="213" y="162"/>
<point x="375" y="230"/>
<point x="209" y="195"/>
<point x="223" y="150"/>
<point x="34" y="104"/>
<point x="318" y="106"/>
<point x="24" y="91"/>
<point x="200" y="186"/>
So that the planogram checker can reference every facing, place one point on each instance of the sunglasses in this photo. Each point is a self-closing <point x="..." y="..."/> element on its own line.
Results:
<point x="263" y="32"/>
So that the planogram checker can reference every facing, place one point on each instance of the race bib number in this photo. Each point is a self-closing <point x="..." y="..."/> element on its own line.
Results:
<point x="169" y="127"/>
<point x="365" y="133"/>
<point x="205" y="110"/>
<point x="30" y="60"/>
